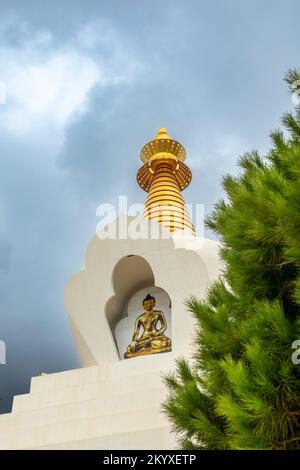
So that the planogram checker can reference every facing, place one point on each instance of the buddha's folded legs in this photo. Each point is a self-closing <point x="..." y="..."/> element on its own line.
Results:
<point x="150" y="346"/>
<point x="154" y="342"/>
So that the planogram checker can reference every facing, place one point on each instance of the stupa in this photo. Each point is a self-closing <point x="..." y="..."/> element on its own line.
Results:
<point x="127" y="315"/>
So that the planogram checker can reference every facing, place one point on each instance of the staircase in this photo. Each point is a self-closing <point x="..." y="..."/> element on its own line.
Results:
<point x="116" y="406"/>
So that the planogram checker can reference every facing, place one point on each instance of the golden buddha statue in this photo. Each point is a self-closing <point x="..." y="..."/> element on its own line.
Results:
<point x="152" y="340"/>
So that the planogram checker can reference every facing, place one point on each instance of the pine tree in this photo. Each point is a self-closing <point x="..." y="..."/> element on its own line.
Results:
<point x="242" y="389"/>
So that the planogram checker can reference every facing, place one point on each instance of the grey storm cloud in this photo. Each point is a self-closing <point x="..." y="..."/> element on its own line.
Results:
<point x="88" y="83"/>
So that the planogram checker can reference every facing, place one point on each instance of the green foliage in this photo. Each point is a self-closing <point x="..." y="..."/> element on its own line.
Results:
<point x="242" y="390"/>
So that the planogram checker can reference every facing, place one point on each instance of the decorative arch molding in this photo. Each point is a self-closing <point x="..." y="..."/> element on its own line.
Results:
<point x="130" y="274"/>
<point x="94" y="296"/>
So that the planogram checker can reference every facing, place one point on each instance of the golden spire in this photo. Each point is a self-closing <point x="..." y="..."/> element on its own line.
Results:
<point x="163" y="176"/>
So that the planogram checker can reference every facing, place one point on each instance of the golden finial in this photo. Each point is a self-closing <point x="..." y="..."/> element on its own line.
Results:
<point x="163" y="146"/>
<point x="164" y="175"/>
<point x="162" y="134"/>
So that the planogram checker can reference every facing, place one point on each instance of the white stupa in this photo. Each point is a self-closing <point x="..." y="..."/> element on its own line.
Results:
<point x="112" y="402"/>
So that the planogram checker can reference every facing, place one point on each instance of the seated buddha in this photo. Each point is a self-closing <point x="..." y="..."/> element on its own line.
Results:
<point x="148" y="336"/>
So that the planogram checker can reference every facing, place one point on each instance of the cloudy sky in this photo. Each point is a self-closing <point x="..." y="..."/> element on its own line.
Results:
<point x="88" y="82"/>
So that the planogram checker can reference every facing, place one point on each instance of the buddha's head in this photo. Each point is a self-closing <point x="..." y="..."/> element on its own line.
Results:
<point x="148" y="302"/>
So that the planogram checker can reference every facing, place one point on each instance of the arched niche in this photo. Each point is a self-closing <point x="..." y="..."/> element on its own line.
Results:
<point x="130" y="274"/>
<point x="132" y="279"/>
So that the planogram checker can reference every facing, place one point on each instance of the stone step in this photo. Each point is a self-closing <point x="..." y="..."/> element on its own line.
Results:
<point x="68" y="378"/>
<point x="83" y="429"/>
<point x="103" y="405"/>
<point x="158" y="438"/>
<point x="130" y="367"/>
<point x="88" y="391"/>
